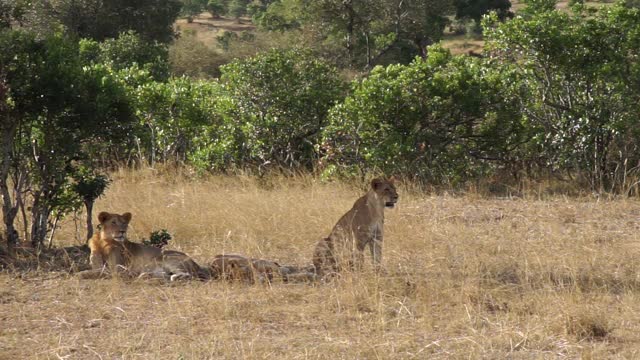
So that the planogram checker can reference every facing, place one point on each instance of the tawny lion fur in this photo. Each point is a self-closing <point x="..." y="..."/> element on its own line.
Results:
<point x="112" y="252"/>
<point x="239" y="267"/>
<point x="360" y="227"/>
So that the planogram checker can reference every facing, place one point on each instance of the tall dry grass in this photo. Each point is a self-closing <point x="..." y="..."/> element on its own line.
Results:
<point x="467" y="277"/>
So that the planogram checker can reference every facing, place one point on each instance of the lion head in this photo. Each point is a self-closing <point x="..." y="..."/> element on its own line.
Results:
<point x="114" y="226"/>
<point x="386" y="190"/>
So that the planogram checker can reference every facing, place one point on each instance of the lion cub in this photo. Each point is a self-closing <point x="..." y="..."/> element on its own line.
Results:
<point x="360" y="227"/>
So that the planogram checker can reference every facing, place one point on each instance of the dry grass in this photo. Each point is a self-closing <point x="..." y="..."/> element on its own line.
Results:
<point x="463" y="44"/>
<point x="467" y="277"/>
<point x="207" y="28"/>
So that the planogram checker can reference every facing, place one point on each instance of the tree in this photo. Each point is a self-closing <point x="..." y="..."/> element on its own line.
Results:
<point x="576" y="80"/>
<point x="172" y="115"/>
<point x="8" y="126"/>
<point x="281" y="102"/>
<point x="280" y="15"/>
<point x="127" y="50"/>
<point x="363" y="33"/>
<point x="538" y="6"/>
<point x="420" y="23"/>
<point x="237" y="8"/>
<point x="216" y="7"/>
<point x="18" y="94"/>
<point x="58" y="107"/>
<point x="100" y="20"/>
<point x="89" y="186"/>
<point x="475" y="9"/>
<point x="12" y="12"/>
<point x="191" y="8"/>
<point x="437" y="119"/>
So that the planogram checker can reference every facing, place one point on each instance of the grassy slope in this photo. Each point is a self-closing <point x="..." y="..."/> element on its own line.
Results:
<point x="207" y="28"/>
<point x="467" y="278"/>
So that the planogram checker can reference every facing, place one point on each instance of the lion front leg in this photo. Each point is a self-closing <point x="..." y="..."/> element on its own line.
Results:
<point x="96" y="260"/>
<point x="376" y="254"/>
<point x="375" y="245"/>
<point x="117" y="264"/>
<point x="98" y="267"/>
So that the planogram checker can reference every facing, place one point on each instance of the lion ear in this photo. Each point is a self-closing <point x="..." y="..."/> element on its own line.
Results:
<point x="103" y="216"/>
<point x="392" y="179"/>
<point x="376" y="183"/>
<point x="127" y="216"/>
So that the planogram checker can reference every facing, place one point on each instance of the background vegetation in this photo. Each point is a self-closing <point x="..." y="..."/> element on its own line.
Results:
<point x="339" y="88"/>
<point x="249" y="127"/>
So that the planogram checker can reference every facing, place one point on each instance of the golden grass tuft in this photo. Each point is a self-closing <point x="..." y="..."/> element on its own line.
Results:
<point x="587" y="323"/>
<point x="467" y="277"/>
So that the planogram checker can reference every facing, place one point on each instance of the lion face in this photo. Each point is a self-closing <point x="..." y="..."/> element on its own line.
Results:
<point x="114" y="226"/>
<point x="385" y="190"/>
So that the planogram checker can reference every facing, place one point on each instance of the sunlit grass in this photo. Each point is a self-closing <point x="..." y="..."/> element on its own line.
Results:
<point x="467" y="277"/>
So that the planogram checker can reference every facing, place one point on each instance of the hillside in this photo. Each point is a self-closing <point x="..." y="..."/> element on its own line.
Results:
<point x="207" y="28"/>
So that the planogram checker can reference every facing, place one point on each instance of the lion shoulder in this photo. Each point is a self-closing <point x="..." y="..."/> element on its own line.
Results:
<point x="101" y="245"/>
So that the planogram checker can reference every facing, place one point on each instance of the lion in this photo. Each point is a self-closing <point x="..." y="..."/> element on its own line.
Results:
<point x="240" y="267"/>
<point x="298" y="274"/>
<point x="360" y="227"/>
<point x="113" y="253"/>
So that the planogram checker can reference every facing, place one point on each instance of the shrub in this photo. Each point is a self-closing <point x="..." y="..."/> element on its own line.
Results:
<point x="436" y="119"/>
<point x="281" y="99"/>
<point x="158" y="238"/>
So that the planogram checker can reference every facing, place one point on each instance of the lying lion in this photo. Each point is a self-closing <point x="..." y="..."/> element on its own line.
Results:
<point x="239" y="267"/>
<point x="360" y="227"/>
<point x="112" y="252"/>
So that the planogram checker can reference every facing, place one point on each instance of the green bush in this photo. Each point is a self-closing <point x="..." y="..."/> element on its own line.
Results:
<point x="128" y="50"/>
<point x="436" y="119"/>
<point x="158" y="238"/>
<point x="173" y="115"/>
<point x="575" y="80"/>
<point x="280" y="100"/>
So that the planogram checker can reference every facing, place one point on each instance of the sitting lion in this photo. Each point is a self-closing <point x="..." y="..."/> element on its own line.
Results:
<point x="111" y="252"/>
<point x="360" y="227"/>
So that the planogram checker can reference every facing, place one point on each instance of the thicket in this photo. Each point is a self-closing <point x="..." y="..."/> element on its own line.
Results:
<point x="555" y="95"/>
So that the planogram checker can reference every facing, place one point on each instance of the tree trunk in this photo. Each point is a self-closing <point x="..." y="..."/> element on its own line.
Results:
<point x="351" y="19"/>
<point x="422" y="44"/>
<point x="53" y="230"/>
<point x="41" y="207"/>
<point x="89" y="205"/>
<point x="9" y="210"/>
<point x="38" y="220"/>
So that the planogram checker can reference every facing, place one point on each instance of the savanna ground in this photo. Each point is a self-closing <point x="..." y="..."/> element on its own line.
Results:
<point x="467" y="276"/>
